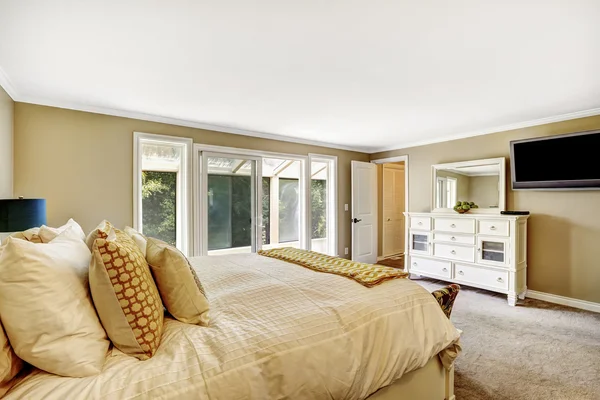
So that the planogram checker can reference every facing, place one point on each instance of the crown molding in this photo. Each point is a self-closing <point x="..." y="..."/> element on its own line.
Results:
<point x="180" y="122"/>
<point x="9" y="88"/>
<point x="519" y="125"/>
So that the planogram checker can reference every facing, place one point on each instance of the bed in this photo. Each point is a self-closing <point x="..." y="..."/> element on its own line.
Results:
<point x="279" y="330"/>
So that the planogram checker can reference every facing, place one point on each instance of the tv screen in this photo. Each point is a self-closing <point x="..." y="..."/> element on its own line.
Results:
<point x="556" y="162"/>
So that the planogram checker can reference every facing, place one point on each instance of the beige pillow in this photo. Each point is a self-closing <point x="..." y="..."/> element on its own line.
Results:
<point x="31" y="235"/>
<point x="179" y="286"/>
<point x="45" y="306"/>
<point x="103" y="230"/>
<point x="10" y="364"/>
<point x="138" y="238"/>
<point x="126" y="296"/>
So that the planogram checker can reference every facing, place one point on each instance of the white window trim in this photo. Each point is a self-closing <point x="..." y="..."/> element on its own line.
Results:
<point x="184" y="185"/>
<point x="332" y="201"/>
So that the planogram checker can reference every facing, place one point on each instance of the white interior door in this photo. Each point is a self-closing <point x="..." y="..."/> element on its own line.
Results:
<point x="364" y="212"/>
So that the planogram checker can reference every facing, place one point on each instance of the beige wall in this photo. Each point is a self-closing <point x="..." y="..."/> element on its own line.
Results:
<point x="564" y="228"/>
<point x="6" y="144"/>
<point x="483" y="190"/>
<point x="82" y="163"/>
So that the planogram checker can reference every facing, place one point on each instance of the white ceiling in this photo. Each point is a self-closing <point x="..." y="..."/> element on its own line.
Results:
<point x="367" y="75"/>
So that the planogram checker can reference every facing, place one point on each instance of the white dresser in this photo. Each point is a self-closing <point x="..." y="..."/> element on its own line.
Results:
<point x="488" y="251"/>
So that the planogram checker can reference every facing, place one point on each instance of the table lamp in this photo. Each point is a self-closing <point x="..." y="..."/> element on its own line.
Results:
<point x="20" y="214"/>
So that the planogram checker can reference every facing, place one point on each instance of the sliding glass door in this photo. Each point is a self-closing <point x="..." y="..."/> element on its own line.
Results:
<point x="229" y="216"/>
<point x="249" y="201"/>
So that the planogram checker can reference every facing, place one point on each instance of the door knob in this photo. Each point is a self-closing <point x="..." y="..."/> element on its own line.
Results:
<point x="356" y="220"/>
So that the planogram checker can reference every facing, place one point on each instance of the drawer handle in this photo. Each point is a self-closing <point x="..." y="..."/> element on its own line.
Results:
<point x="453" y="238"/>
<point x="453" y="252"/>
<point x="461" y="273"/>
<point x="492" y="228"/>
<point x="420" y="223"/>
<point x="452" y="226"/>
<point x="445" y="269"/>
<point x="500" y="280"/>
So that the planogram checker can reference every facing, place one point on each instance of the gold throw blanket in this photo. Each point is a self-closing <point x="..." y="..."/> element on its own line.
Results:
<point x="368" y="275"/>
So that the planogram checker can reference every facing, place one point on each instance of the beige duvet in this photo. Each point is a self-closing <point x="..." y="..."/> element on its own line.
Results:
<point x="277" y="330"/>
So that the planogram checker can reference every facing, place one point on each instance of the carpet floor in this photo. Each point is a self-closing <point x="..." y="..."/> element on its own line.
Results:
<point x="536" y="350"/>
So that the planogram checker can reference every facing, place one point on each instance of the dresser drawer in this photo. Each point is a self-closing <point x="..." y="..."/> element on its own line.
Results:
<point x="459" y="225"/>
<point x="459" y="253"/>
<point x="423" y="223"/>
<point x="449" y="237"/>
<point x="493" y="227"/>
<point x="430" y="267"/>
<point x="481" y="276"/>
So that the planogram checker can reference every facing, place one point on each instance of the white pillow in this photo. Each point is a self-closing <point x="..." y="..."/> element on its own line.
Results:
<point x="47" y="233"/>
<point x="138" y="238"/>
<point x="46" y="307"/>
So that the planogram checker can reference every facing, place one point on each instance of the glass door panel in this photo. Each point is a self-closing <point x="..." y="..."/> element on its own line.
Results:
<point x="419" y="243"/>
<point x="492" y="251"/>
<point x="230" y="205"/>
<point x="281" y="203"/>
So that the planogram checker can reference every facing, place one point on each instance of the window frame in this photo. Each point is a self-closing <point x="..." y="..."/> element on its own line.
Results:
<point x="184" y="234"/>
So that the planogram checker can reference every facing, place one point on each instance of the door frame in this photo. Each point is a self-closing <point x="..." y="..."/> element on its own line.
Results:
<point x="404" y="158"/>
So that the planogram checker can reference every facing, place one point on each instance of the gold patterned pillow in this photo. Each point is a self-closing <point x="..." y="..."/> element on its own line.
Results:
<point x="179" y="286"/>
<point x="126" y="296"/>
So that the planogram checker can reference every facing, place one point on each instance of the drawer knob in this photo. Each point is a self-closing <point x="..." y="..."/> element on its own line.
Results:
<point x="452" y="238"/>
<point x="492" y="228"/>
<point x="445" y="269"/>
<point x="461" y="273"/>
<point x="500" y="280"/>
<point x="453" y="226"/>
<point x="453" y="252"/>
<point x="420" y="223"/>
<point x="414" y="264"/>
<point x="478" y="249"/>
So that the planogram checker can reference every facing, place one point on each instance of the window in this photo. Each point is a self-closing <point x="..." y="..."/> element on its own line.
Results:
<point x="161" y="188"/>
<point x="323" y="204"/>
<point x="446" y="192"/>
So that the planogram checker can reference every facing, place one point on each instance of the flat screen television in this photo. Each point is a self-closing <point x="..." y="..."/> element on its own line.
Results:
<point x="562" y="162"/>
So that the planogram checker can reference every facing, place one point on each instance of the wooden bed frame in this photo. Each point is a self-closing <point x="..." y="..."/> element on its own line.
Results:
<point x="432" y="381"/>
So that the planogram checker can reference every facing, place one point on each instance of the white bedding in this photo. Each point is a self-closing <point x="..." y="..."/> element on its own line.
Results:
<point x="278" y="330"/>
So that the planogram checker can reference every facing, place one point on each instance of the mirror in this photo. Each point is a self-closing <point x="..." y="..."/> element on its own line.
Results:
<point x="479" y="182"/>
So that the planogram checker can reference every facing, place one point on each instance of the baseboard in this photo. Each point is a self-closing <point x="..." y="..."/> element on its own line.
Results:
<point x="565" y="301"/>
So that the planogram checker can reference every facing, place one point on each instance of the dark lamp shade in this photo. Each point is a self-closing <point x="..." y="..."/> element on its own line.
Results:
<point x="21" y="214"/>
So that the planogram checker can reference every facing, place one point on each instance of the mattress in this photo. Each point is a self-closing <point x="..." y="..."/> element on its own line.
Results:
<point x="277" y="330"/>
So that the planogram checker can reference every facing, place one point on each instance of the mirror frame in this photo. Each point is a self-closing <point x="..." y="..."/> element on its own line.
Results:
<point x="500" y="161"/>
